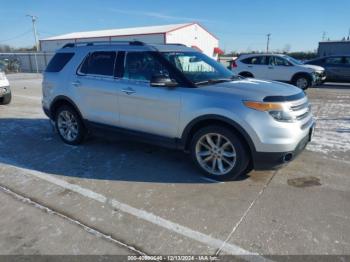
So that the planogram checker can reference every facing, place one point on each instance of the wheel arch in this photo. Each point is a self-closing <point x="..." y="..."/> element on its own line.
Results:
<point x="301" y="73"/>
<point x="60" y="101"/>
<point x="207" y="120"/>
<point x="246" y="74"/>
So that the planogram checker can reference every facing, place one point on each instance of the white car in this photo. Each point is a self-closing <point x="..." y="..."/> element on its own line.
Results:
<point x="280" y="68"/>
<point x="5" y="91"/>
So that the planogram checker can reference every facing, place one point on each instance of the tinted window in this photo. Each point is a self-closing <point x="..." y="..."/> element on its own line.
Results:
<point x="58" y="62"/>
<point x="334" y="60"/>
<point x="142" y="66"/>
<point x="99" y="63"/>
<point x="256" y="60"/>
<point x="278" y="61"/>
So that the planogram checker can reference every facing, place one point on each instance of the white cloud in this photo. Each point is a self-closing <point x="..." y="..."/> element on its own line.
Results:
<point x="158" y="15"/>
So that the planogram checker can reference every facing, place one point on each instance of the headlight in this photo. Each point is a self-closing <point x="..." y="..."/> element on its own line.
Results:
<point x="277" y="110"/>
<point x="282" y="116"/>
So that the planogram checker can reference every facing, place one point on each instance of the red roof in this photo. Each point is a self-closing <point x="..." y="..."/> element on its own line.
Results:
<point x="218" y="51"/>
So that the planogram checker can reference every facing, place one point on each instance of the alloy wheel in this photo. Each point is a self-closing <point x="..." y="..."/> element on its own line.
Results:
<point x="302" y="83"/>
<point x="215" y="154"/>
<point x="67" y="125"/>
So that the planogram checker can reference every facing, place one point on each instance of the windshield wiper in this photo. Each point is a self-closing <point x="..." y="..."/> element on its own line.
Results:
<point x="214" y="81"/>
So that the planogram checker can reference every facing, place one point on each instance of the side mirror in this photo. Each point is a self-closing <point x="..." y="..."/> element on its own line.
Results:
<point x="162" y="81"/>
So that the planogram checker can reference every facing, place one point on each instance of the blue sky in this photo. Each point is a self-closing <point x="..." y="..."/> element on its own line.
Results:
<point x="240" y="25"/>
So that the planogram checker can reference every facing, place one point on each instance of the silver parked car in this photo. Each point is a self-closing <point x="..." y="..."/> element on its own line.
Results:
<point x="175" y="96"/>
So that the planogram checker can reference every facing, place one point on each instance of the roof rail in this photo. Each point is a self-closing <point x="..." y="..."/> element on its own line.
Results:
<point x="138" y="43"/>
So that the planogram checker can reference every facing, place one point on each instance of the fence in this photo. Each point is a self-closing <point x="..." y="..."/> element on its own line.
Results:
<point x="27" y="62"/>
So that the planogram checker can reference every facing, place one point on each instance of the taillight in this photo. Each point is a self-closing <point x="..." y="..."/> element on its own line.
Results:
<point x="233" y="64"/>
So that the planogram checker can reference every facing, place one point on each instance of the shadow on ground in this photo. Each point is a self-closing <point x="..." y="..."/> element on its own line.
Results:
<point x="32" y="144"/>
<point x="334" y="85"/>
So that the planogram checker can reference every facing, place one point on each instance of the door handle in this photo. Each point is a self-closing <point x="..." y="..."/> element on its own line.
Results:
<point x="76" y="83"/>
<point x="250" y="66"/>
<point x="128" y="91"/>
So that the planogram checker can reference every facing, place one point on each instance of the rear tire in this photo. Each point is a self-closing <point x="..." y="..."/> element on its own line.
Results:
<point x="6" y="99"/>
<point x="219" y="153"/>
<point x="69" y="125"/>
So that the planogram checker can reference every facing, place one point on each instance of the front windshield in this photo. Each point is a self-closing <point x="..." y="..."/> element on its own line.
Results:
<point x="293" y="60"/>
<point x="199" y="68"/>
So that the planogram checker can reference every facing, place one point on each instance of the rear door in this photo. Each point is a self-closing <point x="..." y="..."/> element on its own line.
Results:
<point x="96" y="88"/>
<point x="257" y="65"/>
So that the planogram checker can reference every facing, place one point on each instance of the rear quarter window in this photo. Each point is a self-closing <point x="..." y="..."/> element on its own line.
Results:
<point x="58" y="62"/>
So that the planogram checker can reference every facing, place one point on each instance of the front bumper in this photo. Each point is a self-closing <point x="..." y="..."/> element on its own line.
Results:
<point x="274" y="160"/>
<point x="319" y="78"/>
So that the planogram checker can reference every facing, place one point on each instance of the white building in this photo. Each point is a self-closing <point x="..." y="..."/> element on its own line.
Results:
<point x="190" y="34"/>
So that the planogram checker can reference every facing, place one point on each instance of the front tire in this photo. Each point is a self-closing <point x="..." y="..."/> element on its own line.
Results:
<point x="69" y="125"/>
<point x="302" y="81"/>
<point x="219" y="153"/>
<point x="246" y="74"/>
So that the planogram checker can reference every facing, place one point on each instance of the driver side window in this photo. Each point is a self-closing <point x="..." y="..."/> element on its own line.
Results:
<point x="142" y="66"/>
<point x="278" y="61"/>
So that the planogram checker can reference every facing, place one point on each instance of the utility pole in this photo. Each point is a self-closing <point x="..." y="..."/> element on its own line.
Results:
<point x="34" y="18"/>
<point x="324" y="36"/>
<point x="268" y="42"/>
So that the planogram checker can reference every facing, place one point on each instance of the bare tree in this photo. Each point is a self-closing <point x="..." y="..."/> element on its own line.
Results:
<point x="5" y="48"/>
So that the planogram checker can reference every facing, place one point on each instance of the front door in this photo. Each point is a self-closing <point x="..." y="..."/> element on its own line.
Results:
<point x="153" y="110"/>
<point x="278" y="69"/>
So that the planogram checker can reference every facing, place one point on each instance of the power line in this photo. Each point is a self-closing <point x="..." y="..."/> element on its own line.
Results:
<point x="15" y="37"/>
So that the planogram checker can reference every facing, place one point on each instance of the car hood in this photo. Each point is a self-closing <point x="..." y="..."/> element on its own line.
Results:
<point x="254" y="89"/>
<point x="314" y="67"/>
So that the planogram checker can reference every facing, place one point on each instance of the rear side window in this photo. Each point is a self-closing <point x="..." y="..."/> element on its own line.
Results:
<point x="58" y="62"/>
<point x="99" y="63"/>
<point x="255" y="60"/>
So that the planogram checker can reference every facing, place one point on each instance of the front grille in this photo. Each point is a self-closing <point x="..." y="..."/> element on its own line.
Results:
<point x="301" y="109"/>
<point x="302" y="116"/>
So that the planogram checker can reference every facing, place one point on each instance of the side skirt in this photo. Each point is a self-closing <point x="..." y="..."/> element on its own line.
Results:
<point x="104" y="130"/>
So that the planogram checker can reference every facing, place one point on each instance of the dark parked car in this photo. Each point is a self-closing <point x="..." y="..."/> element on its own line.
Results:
<point x="337" y="67"/>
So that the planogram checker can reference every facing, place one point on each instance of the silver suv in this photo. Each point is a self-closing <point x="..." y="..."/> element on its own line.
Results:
<point x="175" y="96"/>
